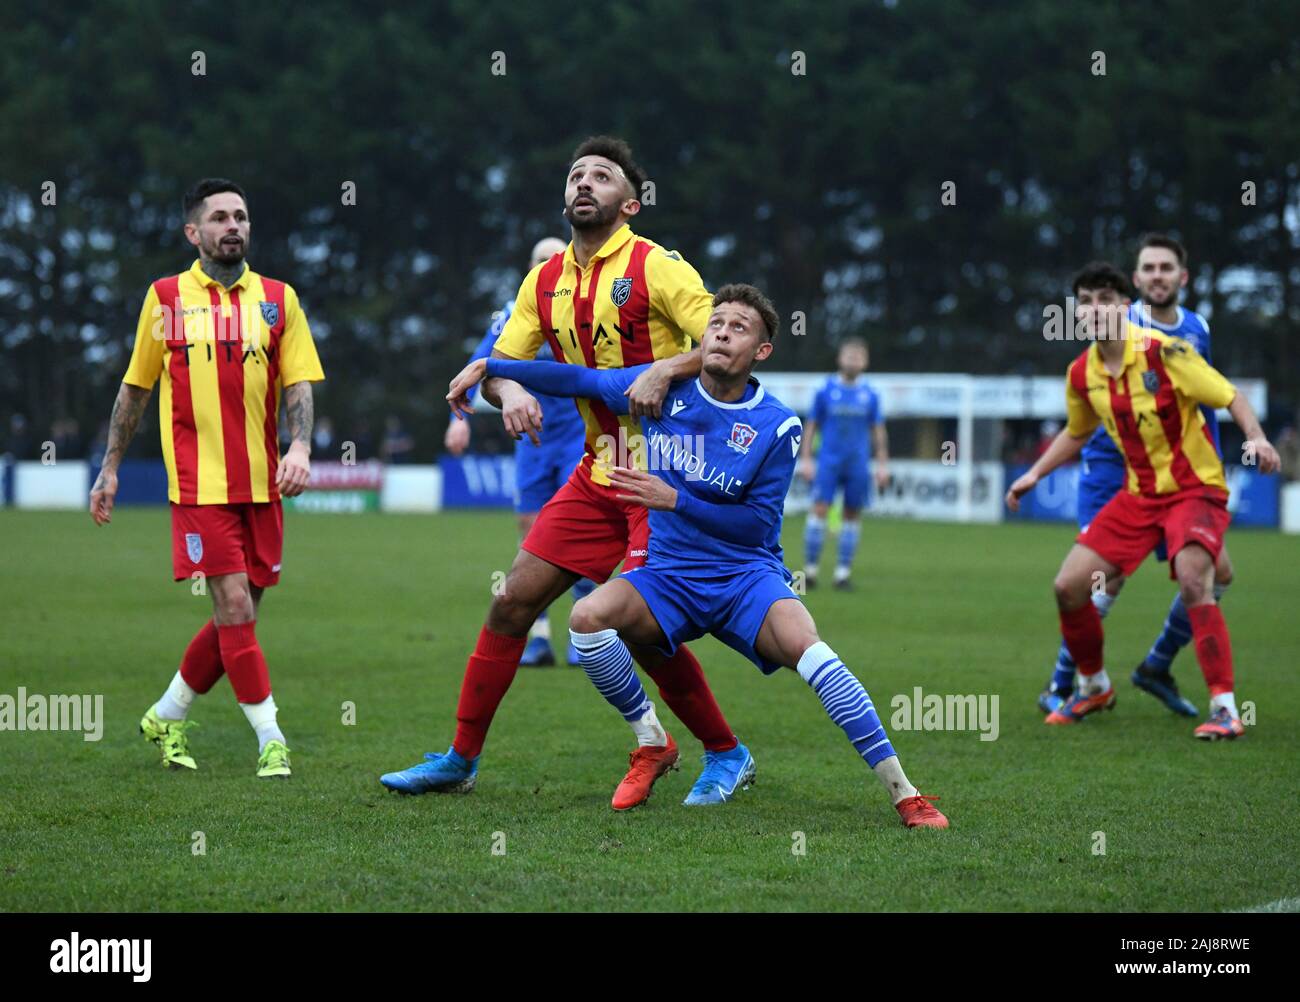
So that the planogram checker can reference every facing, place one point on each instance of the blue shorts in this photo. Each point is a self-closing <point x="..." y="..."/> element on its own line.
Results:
<point x="1098" y="483"/>
<point x="732" y="607"/>
<point x="540" y="471"/>
<point x="851" y="474"/>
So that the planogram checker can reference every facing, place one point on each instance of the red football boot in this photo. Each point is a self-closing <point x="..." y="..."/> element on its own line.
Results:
<point x="917" y="812"/>
<point x="1075" y="709"/>
<point x="646" y="764"/>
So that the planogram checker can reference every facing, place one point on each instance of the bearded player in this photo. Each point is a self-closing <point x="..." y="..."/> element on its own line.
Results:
<point x="611" y="300"/>
<point x="228" y="344"/>
<point x="1160" y="273"/>
<point x="1146" y="389"/>
<point x="540" y="470"/>
<point x="723" y="455"/>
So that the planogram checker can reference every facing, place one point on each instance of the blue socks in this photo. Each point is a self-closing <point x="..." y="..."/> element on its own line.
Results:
<point x="814" y="535"/>
<point x="582" y="588"/>
<point x="849" y="533"/>
<point x="846" y="702"/>
<point x="608" y="663"/>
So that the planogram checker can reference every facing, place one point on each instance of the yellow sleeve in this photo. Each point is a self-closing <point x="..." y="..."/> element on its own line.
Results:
<point x="522" y="335"/>
<point x="147" y="355"/>
<point x="298" y="359"/>
<point x="677" y="293"/>
<point x="1193" y="376"/>
<point x="1080" y="418"/>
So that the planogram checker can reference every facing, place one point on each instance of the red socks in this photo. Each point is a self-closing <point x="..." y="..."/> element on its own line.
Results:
<point x="1213" y="648"/>
<point x="201" y="665"/>
<point x="488" y="675"/>
<point x="682" y="686"/>
<point x="1081" y="629"/>
<point x="242" y="657"/>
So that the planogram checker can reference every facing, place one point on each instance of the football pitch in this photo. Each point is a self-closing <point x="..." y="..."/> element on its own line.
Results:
<point x="367" y="638"/>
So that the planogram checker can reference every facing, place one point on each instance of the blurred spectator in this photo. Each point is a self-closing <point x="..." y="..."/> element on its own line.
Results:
<point x="398" y="444"/>
<point x="19" y="441"/>
<point x="322" y="438"/>
<point x="66" y="436"/>
<point x="1047" y="433"/>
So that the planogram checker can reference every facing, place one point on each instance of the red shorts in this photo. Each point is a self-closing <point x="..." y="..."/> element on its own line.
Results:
<point x="583" y="529"/>
<point x="1129" y="526"/>
<point x="214" y="539"/>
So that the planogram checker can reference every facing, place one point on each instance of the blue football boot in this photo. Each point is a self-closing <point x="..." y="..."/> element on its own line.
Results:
<point x="724" y="773"/>
<point x="1161" y="684"/>
<point x="537" y="653"/>
<point x="447" y="773"/>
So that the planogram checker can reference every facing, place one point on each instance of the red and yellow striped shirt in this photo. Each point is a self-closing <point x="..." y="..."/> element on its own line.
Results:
<point x="224" y="356"/>
<point x="634" y="303"/>
<point x="1151" y="411"/>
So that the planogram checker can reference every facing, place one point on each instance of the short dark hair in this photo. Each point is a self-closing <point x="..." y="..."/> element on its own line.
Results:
<point x="853" y="342"/>
<point x="738" y="292"/>
<point x="1166" y="241"/>
<point x="200" y="190"/>
<point x="1101" y="275"/>
<point x="615" y="151"/>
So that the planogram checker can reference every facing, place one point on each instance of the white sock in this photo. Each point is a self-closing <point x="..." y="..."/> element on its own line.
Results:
<point x="1103" y="600"/>
<point x="1225" y="699"/>
<point x="175" y="702"/>
<point x="1091" y="684"/>
<point x="540" y="628"/>
<point x="262" y="717"/>
<point x="649" y="732"/>
<point x="890" y="772"/>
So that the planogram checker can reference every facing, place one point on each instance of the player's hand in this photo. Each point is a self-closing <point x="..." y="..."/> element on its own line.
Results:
<point x="1266" y="457"/>
<point x="1024" y="483"/>
<point x="807" y="469"/>
<point x="102" y="495"/>
<point x="521" y="413"/>
<point x="456" y="441"/>
<point x="294" y="472"/>
<point x="646" y="394"/>
<point x="882" y="476"/>
<point x="466" y="380"/>
<point x="643" y="488"/>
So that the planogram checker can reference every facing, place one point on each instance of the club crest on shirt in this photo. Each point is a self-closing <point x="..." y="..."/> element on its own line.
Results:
<point x="270" y="312"/>
<point x="742" y="437"/>
<point x="1151" y="380"/>
<point x="621" y="291"/>
<point x="194" y="546"/>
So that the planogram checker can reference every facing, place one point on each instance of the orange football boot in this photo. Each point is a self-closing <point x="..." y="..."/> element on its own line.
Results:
<point x="1078" y="707"/>
<point x="917" y="812"/>
<point x="646" y="765"/>
<point x="1222" y="726"/>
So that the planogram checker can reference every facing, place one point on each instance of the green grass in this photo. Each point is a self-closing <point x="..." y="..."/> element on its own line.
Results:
<point x="382" y="610"/>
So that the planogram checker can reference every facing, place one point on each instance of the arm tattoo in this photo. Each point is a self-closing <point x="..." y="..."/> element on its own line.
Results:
<point x="300" y="411"/>
<point x="127" y="411"/>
